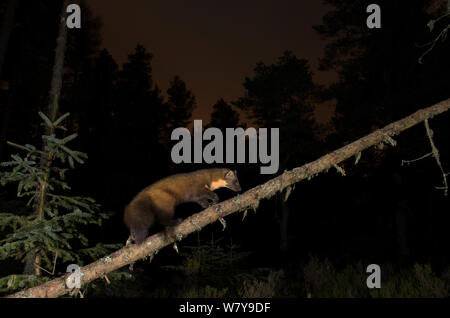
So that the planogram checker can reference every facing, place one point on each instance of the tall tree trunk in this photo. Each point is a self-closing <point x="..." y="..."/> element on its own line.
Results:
<point x="282" y="211"/>
<point x="284" y="222"/>
<point x="33" y="261"/>
<point x="401" y="212"/>
<point x="5" y="34"/>
<point x="401" y="224"/>
<point x="6" y="112"/>
<point x="7" y="27"/>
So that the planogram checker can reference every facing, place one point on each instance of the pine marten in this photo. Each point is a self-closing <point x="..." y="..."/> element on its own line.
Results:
<point x="156" y="203"/>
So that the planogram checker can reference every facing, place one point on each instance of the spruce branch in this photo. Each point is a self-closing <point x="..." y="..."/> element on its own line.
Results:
<point x="26" y="148"/>
<point x="442" y="36"/>
<point x="436" y="156"/>
<point x="435" y="153"/>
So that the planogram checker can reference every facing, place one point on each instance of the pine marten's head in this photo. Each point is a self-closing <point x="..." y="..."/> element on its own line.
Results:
<point x="227" y="180"/>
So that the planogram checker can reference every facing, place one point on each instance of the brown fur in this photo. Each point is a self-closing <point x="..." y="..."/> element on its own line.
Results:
<point x="157" y="202"/>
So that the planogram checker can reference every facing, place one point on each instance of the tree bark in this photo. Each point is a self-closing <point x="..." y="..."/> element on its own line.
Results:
<point x="248" y="200"/>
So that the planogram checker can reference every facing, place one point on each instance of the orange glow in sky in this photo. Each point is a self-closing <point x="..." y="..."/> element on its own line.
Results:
<point x="213" y="45"/>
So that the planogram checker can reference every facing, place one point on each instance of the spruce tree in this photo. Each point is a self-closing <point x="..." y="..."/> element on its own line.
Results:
<point x="53" y="235"/>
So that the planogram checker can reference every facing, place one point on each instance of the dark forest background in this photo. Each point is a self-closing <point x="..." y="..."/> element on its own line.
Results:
<point x="320" y="241"/>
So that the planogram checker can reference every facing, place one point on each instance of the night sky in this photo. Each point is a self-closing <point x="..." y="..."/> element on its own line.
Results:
<point x="213" y="45"/>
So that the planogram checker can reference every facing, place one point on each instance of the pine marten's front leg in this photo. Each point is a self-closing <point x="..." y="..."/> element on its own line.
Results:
<point x="204" y="196"/>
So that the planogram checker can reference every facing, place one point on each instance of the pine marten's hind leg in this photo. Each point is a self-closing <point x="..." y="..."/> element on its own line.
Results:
<point x="166" y="218"/>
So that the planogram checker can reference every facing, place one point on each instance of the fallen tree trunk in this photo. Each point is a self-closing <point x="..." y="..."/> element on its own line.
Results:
<point x="248" y="200"/>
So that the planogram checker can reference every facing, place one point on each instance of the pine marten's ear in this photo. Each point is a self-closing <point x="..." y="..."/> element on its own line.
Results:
<point x="232" y="180"/>
<point x="229" y="174"/>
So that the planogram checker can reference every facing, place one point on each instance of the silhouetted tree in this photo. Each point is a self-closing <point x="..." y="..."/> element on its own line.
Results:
<point x="27" y="68"/>
<point x="139" y="116"/>
<point x="181" y="102"/>
<point x="98" y="129"/>
<point x="381" y="80"/>
<point x="223" y="116"/>
<point x="8" y="14"/>
<point x="279" y="96"/>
